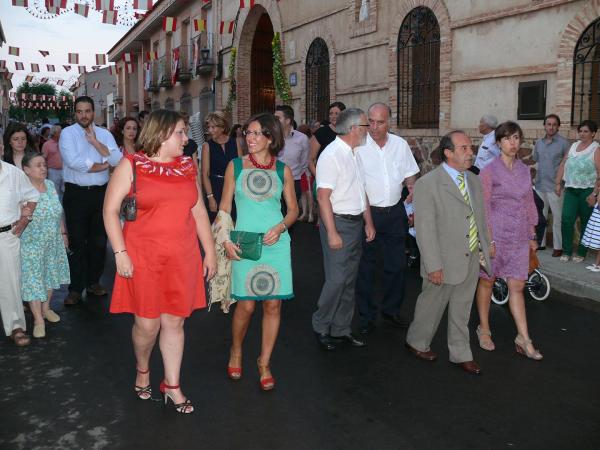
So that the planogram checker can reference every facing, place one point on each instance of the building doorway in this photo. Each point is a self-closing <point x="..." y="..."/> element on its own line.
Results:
<point x="262" y="89"/>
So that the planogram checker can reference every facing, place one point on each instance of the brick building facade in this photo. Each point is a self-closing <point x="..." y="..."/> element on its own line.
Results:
<point x="440" y="64"/>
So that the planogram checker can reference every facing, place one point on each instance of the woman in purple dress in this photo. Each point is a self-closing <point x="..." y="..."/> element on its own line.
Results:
<point x="512" y="217"/>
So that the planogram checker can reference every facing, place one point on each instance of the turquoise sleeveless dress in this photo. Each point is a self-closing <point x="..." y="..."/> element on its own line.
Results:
<point x="258" y="202"/>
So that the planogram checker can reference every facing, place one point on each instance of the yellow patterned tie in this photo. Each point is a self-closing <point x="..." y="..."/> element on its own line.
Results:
<point x="473" y="239"/>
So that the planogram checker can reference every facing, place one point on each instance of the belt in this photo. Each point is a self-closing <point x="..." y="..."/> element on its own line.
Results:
<point x="6" y="228"/>
<point x="384" y="209"/>
<point x="84" y="188"/>
<point x="349" y="216"/>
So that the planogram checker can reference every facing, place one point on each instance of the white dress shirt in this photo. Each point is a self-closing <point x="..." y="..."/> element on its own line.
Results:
<point x="337" y="169"/>
<point x="79" y="155"/>
<point x="488" y="150"/>
<point x="15" y="190"/>
<point x="384" y="169"/>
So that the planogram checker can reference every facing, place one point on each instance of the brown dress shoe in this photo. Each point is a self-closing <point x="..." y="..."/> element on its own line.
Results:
<point x="72" y="299"/>
<point x="470" y="366"/>
<point x="97" y="290"/>
<point x="556" y="253"/>
<point x="425" y="356"/>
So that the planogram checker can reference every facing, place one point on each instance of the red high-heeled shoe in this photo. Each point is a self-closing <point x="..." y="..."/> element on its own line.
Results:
<point x="145" y="392"/>
<point x="183" y="408"/>
<point x="234" y="373"/>
<point x="268" y="383"/>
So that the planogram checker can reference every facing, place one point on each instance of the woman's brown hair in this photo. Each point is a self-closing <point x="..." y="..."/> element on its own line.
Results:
<point x="159" y="126"/>
<point x="271" y="129"/>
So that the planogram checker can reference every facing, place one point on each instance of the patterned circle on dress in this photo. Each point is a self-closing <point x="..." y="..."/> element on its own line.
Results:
<point x="263" y="280"/>
<point x="258" y="184"/>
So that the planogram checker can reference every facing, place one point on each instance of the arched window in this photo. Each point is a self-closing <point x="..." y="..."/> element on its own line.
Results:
<point x="419" y="70"/>
<point x="586" y="76"/>
<point x="317" y="81"/>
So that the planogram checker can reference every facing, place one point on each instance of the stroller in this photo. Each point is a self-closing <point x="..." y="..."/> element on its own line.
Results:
<point x="537" y="283"/>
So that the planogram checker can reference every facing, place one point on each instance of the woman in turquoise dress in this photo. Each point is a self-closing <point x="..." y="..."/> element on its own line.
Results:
<point x="44" y="264"/>
<point x="257" y="181"/>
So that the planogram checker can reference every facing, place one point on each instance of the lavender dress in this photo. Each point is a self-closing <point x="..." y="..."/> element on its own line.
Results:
<point x="511" y="214"/>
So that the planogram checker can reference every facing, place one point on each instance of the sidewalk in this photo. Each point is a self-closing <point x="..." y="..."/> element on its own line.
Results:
<point x="570" y="278"/>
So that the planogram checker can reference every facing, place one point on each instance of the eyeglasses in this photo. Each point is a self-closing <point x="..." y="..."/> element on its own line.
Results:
<point x="253" y="133"/>
<point x="363" y="125"/>
<point x="377" y="123"/>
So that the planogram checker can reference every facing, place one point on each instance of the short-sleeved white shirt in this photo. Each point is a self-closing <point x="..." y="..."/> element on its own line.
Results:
<point x="15" y="190"/>
<point x="384" y="169"/>
<point x="337" y="169"/>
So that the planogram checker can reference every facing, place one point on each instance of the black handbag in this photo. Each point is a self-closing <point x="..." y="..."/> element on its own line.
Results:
<point x="129" y="206"/>
<point x="250" y="244"/>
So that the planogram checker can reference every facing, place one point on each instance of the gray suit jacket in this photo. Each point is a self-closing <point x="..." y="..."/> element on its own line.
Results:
<point x="442" y="224"/>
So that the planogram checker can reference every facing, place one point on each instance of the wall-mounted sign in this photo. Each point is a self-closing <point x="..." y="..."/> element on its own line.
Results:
<point x="293" y="79"/>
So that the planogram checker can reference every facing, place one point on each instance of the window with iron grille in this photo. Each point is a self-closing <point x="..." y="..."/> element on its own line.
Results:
<point x="586" y="76"/>
<point x="419" y="70"/>
<point x="317" y="81"/>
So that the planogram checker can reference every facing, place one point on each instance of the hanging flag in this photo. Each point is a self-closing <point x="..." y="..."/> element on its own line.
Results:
<point x="100" y="59"/>
<point x="2" y="64"/>
<point x="97" y="85"/>
<point x="50" y="68"/>
<point x="19" y="65"/>
<point x="226" y="26"/>
<point x="175" y="65"/>
<point x="142" y="4"/>
<point x="128" y="57"/>
<point x="169" y="24"/>
<point x="81" y="9"/>
<point x="246" y="3"/>
<point x="139" y="15"/>
<point x="44" y="80"/>
<point x="109" y="17"/>
<point x="81" y="69"/>
<point x="73" y="58"/>
<point x="129" y="68"/>
<point x="60" y="82"/>
<point x="67" y="68"/>
<point x="20" y="3"/>
<point x="35" y="67"/>
<point x="29" y="78"/>
<point x="44" y="53"/>
<point x="105" y="4"/>
<point x="151" y="56"/>
<point x="147" y="75"/>
<point x="199" y="25"/>
<point x="111" y="70"/>
<point x="14" y="51"/>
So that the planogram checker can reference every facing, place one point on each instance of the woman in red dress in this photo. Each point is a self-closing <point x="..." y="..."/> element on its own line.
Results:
<point x="160" y="273"/>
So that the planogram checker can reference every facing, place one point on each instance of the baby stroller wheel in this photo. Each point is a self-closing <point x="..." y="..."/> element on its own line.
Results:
<point x="500" y="291"/>
<point x="538" y="285"/>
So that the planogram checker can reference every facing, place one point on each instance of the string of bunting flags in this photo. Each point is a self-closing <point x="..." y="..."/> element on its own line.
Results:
<point x="39" y="101"/>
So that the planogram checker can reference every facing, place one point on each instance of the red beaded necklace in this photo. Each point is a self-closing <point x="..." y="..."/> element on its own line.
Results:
<point x="256" y="164"/>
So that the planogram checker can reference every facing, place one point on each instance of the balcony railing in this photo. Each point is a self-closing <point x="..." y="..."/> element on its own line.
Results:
<point x="164" y="72"/>
<point x="186" y="54"/>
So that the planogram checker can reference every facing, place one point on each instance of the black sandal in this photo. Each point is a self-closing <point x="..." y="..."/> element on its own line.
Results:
<point x="143" y="393"/>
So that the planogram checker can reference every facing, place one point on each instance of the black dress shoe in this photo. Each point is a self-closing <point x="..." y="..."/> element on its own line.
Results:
<point x="350" y="339"/>
<point x="395" y="320"/>
<point x="325" y="341"/>
<point x="366" y="329"/>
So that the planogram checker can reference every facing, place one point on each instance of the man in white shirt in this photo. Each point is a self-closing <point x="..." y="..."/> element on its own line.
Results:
<point x="385" y="162"/>
<point x="87" y="152"/>
<point x="488" y="150"/>
<point x="18" y="199"/>
<point x="344" y="210"/>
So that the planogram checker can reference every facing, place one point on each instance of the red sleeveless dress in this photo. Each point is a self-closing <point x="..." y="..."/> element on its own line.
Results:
<point x="162" y="243"/>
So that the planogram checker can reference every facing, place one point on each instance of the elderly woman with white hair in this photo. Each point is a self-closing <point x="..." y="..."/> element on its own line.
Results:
<point x="488" y="150"/>
<point x="54" y="161"/>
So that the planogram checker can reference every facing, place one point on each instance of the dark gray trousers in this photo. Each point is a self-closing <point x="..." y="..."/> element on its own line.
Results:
<point x="336" y="302"/>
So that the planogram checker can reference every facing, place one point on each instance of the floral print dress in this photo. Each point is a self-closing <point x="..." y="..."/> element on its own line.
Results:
<point x="44" y="262"/>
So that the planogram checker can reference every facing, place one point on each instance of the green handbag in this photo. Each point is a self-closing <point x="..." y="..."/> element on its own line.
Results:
<point x="250" y="244"/>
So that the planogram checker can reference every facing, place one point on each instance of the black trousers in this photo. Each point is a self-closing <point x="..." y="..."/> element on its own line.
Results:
<point x="87" y="236"/>
<point x="391" y="226"/>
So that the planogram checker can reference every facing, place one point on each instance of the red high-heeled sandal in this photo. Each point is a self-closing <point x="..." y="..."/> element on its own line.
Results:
<point x="145" y="392"/>
<point x="183" y="408"/>
<point x="268" y="383"/>
<point x="234" y="373"/>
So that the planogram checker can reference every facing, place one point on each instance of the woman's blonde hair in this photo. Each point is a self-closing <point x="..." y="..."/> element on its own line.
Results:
<point x="159" y="126"/>
<point x="219" y="119"/>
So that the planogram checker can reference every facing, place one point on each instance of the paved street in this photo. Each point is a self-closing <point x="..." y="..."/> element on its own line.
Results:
<point x="74" y="389"/>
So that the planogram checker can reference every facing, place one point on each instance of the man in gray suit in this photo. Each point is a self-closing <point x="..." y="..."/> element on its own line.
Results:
<point x="453" y="239"/>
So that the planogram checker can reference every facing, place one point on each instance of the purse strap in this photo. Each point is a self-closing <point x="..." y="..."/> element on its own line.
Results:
<point x="133" y="184"/>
